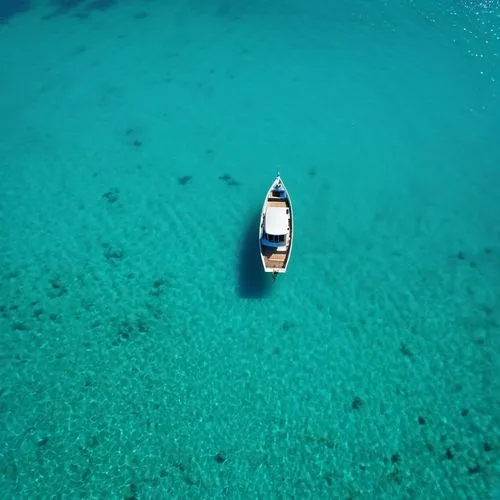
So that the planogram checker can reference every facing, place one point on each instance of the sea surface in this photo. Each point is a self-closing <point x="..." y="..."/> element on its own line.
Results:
<point x="144" y="353"/>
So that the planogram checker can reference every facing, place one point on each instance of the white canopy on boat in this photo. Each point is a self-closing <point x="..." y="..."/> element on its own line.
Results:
<point x="276" y="220"/>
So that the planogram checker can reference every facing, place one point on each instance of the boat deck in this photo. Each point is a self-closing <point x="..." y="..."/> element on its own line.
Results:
<point x="274" y="259"/>
<point x="273" y="202"/>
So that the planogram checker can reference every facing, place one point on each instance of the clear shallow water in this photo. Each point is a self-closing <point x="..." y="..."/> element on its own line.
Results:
<point x="144" y="354"/>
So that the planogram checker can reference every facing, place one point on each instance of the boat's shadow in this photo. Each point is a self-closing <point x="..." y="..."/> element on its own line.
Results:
<point x="253" y="282"/>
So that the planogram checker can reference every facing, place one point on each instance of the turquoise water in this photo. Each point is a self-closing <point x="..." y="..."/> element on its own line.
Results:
<point x="144" y="352"/>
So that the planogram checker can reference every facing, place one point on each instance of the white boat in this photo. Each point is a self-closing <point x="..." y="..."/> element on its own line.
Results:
<point x="276" y="229"/>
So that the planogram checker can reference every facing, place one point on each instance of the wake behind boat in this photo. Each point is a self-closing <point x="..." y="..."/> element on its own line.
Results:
<point x="276" y="229"/>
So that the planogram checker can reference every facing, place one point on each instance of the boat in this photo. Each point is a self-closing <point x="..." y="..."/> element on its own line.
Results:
<point x="276" y="229"/>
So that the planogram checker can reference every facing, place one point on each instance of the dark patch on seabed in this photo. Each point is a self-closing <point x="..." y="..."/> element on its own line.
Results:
<point x="9" y="8"/>
<point x="78" y="8"/>
<point x="253" y="282"/>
